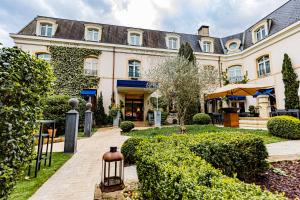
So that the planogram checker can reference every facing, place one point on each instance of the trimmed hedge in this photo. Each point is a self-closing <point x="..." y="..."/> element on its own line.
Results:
<point x="285" y="127"/>
<point x="24" y="81"/>
<point x="126" y="126"/>
<point x="201" y="118"/>
<point x="128" y="150"/>
<point x="243" y="155"/>
<point x="167" y="169"/>
<point x="56" y="106"/>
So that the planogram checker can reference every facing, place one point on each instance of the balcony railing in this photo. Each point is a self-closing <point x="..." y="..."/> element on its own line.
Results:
<point x="236" y="79"/>
<point x="90" y="72"/>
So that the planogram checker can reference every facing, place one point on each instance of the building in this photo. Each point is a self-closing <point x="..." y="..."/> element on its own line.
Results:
<point x="127" y="53"/>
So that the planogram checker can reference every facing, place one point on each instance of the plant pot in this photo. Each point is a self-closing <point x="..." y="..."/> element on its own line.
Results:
<point x="50" y="132"/>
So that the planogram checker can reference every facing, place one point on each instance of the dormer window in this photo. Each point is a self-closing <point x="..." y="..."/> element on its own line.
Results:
<point x="93" y="32"/>
<point x="46" y="29"/>
<point x="135" y="37"/>
<point x="206" y="47"/>
<point x="233" y="45"/>
<point x="260" y="33"/>
<point x="172" y="41"/>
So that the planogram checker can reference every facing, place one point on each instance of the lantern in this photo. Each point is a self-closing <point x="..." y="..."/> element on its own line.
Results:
<point x="112" y="171"/>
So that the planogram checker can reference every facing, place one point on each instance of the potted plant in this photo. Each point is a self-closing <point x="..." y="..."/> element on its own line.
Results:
<point x="50" y="132"/>
<point x="252" y="110"/>
<point x="114" y="112"/>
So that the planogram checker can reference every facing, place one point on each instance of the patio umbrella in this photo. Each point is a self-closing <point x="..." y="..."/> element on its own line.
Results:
<point x="237" y="90"/>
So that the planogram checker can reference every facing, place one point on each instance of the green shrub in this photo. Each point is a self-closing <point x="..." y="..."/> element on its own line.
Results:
<point x="126" y="126"/>
<point x="167" y="169"/>
<point x="129" y="148"/>
<point x="243" y="155"/>
<point x="100" y="115"/>
<point x="24" y="81"/>
<point x="201" y="118"/>
<point x="55" y="108"/>
<point x="164" y="116"/>
<point x="285" y="127"/>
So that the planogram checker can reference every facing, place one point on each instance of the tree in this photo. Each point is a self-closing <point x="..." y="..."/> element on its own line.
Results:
<point x="291" y="84"/>
<point x="100" y="114"/>
<point x="186" y="51"/>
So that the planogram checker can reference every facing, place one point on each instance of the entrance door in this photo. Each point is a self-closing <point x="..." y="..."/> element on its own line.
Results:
<point x="134" y="109"/>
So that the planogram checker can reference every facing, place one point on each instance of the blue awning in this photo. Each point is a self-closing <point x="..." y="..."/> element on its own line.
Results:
<point x="231" y="98"/>
<point x="88" y="92"/>
<point x="263" y="92"/>
<point x="132" y="83"/>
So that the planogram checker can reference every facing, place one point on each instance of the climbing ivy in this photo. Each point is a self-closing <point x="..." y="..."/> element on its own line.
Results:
<point x="68" y="65"/>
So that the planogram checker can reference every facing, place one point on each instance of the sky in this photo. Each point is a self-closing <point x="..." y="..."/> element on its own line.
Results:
<point x="225" y="17"/>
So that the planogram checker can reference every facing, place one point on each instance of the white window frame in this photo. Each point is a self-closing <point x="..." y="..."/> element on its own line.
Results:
<point x="91" y="66"/>
<point x="90" y="31"/>
<point x="260" y="33"/>
<point x="235" y="73"/>
<point x="48" y="29"/>
<point x="263" y="66"/>
<point x="136" y="68"/>
<point x="44" y="56"/>
<point x="49" y="23"/>
<point x="135" y="32"/>
<point x="207" y="44"/>
<point x="260" y="30"/>
<point x="172" y="41"/>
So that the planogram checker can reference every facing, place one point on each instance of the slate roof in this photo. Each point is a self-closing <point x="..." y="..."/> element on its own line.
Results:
<point x="282" y="17"/>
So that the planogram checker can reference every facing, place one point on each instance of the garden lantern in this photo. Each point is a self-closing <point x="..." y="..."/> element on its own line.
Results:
<point x="112" y="178"/>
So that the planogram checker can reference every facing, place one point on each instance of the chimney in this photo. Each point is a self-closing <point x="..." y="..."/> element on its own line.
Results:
<point x="203" y="31"/>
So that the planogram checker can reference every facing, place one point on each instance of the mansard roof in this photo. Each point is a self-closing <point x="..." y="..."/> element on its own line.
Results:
<point x="281" y="18"/>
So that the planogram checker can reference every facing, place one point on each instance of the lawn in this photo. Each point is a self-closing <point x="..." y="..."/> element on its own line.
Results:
<point x="27" y="186"/>
<point x="200" y="129"/>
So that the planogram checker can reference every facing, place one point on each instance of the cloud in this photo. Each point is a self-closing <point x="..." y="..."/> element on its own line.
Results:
<point x="225" y="17"/>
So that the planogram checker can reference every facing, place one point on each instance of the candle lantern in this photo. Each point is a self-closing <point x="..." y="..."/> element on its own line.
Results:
<point x="112" y="178"/>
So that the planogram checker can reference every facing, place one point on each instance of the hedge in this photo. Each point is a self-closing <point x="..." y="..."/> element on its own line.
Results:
<point x="201" y="118"/>
<point x="126" y="126"/>
<point x="241" y="154"/>
<point x="56" y="106"/>
<point x="285" y="127"/>
<point x="24" y="81"/>
<point x="167" y="169"/>
<point x="128" y="150"/>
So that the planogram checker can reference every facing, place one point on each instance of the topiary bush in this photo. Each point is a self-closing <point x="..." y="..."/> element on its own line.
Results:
<point x="126" y="126"/>
<point x="285" y="127"/>
<point x="243" y="155"/>
<point x="167" y="169"/>
<point x="201" y="118"/>
<point x="24" y="81"/>
<point x="55" y="108"/>
<point x="128" y="150"/>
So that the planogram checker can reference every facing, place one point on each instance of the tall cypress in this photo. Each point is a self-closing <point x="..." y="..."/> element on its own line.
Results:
<point x="100" y="115"/>
<point x="187" y="52"/>
<point x="291" y="84"/>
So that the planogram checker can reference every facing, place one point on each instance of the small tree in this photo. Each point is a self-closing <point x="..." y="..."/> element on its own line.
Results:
<point x="187" y="52"/>
<point x="100" y="114"/>
<point x="291" y="84"/>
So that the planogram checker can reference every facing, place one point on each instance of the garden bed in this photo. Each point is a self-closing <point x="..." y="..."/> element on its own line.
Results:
<point x="283" y="176"/>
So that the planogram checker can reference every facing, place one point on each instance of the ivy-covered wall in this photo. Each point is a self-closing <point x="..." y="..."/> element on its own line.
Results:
<point x="68" y="65"/>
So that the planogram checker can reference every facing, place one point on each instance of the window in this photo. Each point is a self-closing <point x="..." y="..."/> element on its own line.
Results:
<point x="46" y="29"/>
<point x="263" y="66"/>
<point x="260" y="33"/>
<point x="90" y="66"/>
<point x="134" y="68"/>
<point x="235" y="74"/>
<point x="92" y="34"/>
<point x="135" y="39"/>
<point x="233" y="45"/>
<point x="172" y="43"/>
<point x="44" y="56"/>
<point x="206" y="46"/>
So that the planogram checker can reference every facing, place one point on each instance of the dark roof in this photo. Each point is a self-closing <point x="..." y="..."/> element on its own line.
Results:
<point x="281" y="18"/>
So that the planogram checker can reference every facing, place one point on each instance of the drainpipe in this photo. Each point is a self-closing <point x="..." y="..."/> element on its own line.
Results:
<point x="113" y="76"/>
<point x="220" y="70"/>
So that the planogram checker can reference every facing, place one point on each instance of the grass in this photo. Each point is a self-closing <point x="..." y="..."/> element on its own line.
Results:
<point x="200" y="129"/>
<point x="26" y="187"/>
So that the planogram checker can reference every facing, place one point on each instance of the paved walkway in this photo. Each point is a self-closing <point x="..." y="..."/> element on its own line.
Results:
<point x="77" y="178"/>
<point x="288" y="150"/>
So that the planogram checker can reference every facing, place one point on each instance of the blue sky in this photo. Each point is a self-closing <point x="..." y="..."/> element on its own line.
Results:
<point x="224" y="17"/>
